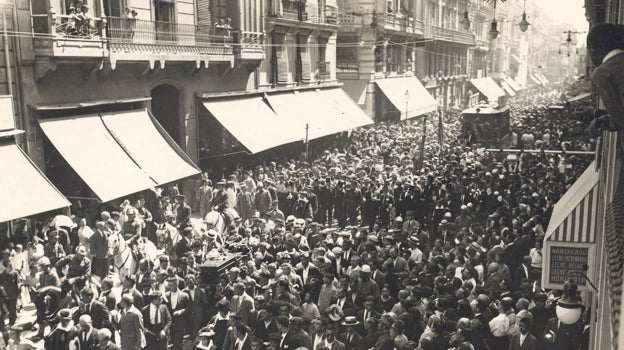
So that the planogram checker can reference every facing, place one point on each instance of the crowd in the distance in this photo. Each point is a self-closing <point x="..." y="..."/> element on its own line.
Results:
<point x="362" y="247"/>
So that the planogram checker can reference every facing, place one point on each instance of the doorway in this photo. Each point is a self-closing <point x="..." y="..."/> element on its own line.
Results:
<point x="166" y="109"/>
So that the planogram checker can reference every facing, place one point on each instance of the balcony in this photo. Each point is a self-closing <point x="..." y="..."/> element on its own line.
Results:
<point x="290" y="17"/>
<point x="61" y="36"/>
<point x="451" y="35"/>
<point x="140" y="40"/>
<point x="399" y="23"/>
<point x="250" y="46"/>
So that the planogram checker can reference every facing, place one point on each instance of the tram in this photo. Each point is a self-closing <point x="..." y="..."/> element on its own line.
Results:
<point x="486" y="125"/>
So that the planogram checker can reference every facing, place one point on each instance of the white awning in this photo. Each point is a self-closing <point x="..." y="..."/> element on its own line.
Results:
<point x="90" y="149"/>
<point x="579" y="97"/>
<point x="149" y="145"/>
<point x="512" y="83"/>
<point x="418" y="101"/>
<point x="338" y="99"/>
<point x="24" y="190"/>
<point x="308" y="108"/>
<point x="253" y="123"/>
<point x="535" y="80"/>
<point x="488" y="87"/>
<point x="507" y="88"/>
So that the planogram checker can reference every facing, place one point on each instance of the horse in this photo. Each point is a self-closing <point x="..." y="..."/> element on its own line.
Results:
<point x="216" y="220"/>
<point x="125" y="261"/>
<point x="167" y="236"/>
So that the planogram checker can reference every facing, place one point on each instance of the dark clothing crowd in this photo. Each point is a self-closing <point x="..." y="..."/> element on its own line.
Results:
<point x="363" y="247"/>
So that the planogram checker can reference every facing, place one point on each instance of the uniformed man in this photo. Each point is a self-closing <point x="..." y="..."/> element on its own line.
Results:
<point x="131" y="229"/>
<point x="183" y="211"/>
<point x="78" y="265"/>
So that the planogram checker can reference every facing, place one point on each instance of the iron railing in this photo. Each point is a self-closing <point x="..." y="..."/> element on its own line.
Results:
<point x="132" y="31"/>
<point x="453" y="35"/>
<point x="67" y="26"/>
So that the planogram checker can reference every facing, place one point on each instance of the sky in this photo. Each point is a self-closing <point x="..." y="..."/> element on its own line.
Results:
<point x="567" y="11"/>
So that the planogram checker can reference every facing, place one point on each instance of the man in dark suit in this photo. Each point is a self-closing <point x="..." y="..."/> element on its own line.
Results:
<point x="87" y="335"/>
<point x="184" y="245"/>
<point x="99" y="249"/>
<point x="521" y="272"/>
<point x="97" y="311"/>
<point x="330" y="338"/>
<point x="199" y="304"/>
<point x="131" y="329"/>
<point x="178" y="304"/>
<point x="352" y="340"/>
<point x="145" y="277"/>
<point x="129" y="287"/>
<point x="603" y="42"/>
<point x="9" y="281"/>
<point x="523" y="340"/>
<point x="560" y="336"/>
<point x="367" y="312"/>
<point x="376" y="275"/>
<point x="295" y="337"/>
<point x="243" y="303"/>
<point x="157" y="322"/>
<point x="265" y="323"/>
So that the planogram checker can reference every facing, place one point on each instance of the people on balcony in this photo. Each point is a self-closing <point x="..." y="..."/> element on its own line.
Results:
<point x="78" y="20"/>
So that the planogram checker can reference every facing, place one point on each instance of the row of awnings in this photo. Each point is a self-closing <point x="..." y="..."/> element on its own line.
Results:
<point x="538" y="79"/>
<point x="118" y="153"/>
<point x="262" y="122"/>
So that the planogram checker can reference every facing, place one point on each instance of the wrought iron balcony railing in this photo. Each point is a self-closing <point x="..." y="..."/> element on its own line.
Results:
<point x="169" y="37"/>
<point x="68" y="35"/>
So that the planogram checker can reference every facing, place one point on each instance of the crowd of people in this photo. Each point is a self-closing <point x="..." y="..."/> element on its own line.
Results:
<point x="363" y="247"/>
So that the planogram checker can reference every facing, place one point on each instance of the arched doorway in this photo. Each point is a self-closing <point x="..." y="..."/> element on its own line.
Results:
<point x="166" y="109"/>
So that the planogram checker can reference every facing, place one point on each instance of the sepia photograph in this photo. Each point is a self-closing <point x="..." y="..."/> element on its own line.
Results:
<point x="311" y="174"/>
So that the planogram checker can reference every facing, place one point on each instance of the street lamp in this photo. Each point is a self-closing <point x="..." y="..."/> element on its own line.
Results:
<point x="568" y="307"/>
<point x="407" y="97"/>
<point x="524" y="24"/>
<point x="512" y="162"/>
<point x="494" y="25"/>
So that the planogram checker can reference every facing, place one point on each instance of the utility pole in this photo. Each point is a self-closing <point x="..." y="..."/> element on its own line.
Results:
<point x="423" y="140"/>
<point x="307" y="155"/>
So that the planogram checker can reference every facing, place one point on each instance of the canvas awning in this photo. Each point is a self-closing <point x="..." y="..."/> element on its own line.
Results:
<point x="573" y="218"/>
<point x="24" y="189"/>
<point x="512" y="83"/>
<point x="149" y="145"/>
<point x="579" y="97"/>
<point x="507" y="88"/>
<point x="417" y="100"/>
<point x="263" y="122"/>
<point x="95" y="155"/>
<point x="488" y="87"/>
<point x="569" y="242"/>
<point x="535" y="80"/>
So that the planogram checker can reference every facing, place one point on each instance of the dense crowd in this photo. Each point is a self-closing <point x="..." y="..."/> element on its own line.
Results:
<point x="363" y="247"/>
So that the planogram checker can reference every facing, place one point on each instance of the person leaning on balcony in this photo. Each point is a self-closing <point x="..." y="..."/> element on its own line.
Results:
<point x="128" y="22"/>
<point x="605" y="44"/>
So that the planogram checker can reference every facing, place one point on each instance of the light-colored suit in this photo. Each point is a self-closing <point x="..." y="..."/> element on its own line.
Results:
<point x="243" y="306"/>
<point x="132" y="330"/>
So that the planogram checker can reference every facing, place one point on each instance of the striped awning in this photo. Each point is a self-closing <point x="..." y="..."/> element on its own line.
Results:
<point x="574" y="216"/>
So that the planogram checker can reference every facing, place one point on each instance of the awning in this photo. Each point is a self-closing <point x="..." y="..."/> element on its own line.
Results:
<point x="579" y="97"/>
<point x="253" y="123"/>
<point x="418" y="101"/>
<point x="149" y="145"/>
<point x="488" y="87"/>
<point x="513" y="84"/>
<point x="507" y="88"/>
<point x="574" y="216"/>
<point x="338" y="99"/>
<point x="24" y="190"/>
<point x="356" y="89"/>
<point x="535" y="80"/>
<point x="569" y="242"/>
<point x="307" y="109"/>
<point x="90" y="149"/>
<point x="543" y="78"/>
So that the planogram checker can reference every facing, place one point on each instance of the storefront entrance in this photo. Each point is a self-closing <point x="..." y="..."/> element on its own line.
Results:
<point x="165" y="106"/>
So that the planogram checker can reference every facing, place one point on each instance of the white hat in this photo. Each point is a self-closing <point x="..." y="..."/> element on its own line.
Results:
<point x="337" y="250"/>
<point x="365" y="268"/>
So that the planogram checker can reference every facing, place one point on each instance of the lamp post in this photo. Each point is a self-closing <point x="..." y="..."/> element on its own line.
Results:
<point x="568" y="307"/>
<point x="407" y="97"/>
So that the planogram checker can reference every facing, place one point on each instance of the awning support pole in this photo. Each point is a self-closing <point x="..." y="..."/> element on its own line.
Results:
<point x="306" y="143"/>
